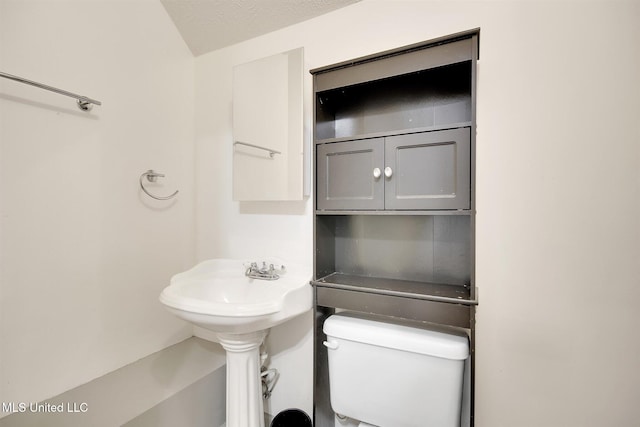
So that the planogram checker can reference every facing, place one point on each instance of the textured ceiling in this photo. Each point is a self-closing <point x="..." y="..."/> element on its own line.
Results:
<point x="208" y="25"/>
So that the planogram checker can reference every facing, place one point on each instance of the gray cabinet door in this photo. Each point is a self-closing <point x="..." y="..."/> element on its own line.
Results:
<point x="429" y="170"/>
<point x="345" y="175"/>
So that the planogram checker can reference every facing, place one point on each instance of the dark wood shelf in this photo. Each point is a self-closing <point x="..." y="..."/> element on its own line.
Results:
<point x="465" y="212"/>
<point x="440" y="292"/>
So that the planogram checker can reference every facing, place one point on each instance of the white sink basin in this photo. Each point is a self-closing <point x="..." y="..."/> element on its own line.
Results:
<point x="216" y="295"/>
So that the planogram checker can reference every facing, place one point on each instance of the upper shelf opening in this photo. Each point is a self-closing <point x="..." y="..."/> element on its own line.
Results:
<point x="429" y="98"/>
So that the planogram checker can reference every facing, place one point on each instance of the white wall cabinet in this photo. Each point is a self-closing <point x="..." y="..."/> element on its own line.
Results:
<point x="268" y="136"/>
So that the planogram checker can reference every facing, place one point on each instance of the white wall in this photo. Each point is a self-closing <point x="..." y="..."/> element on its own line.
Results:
<point x="558" y="185"/>
<point x="183" y="381"/>
<point x="84" y="254"/>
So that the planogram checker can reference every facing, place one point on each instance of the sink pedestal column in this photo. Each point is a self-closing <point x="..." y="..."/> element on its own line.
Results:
<point x="244" y="387"/>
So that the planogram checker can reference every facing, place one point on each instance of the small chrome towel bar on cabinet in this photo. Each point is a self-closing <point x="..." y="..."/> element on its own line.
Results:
<point x="152" y="176"/>
<point x="84" y="103"/>
<point x="271" y="151"/>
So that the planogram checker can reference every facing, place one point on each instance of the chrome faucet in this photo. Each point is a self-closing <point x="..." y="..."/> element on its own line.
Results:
<point x="264" y="272"/>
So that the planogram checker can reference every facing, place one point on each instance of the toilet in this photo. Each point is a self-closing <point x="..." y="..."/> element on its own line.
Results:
<point x="390" y="374"/>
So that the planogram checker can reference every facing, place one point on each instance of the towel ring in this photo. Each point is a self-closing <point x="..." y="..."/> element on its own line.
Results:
<point x="152" y="176"/>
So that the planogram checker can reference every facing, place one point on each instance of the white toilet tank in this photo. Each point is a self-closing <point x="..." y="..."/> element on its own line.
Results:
<point x="394" y="375"/>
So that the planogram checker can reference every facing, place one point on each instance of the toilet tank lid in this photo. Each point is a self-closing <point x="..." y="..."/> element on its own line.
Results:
<point x="397" y="336"/>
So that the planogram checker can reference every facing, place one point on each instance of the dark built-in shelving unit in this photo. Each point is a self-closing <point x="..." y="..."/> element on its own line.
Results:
<point x="394" y="205"/>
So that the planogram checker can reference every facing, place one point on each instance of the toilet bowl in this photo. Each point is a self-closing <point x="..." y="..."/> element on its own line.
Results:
<point x="388" y="374"/>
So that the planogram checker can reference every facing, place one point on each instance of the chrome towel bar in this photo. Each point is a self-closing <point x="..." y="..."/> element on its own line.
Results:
<point x="152" y="176"/>
<point x="84" y="103"/>
<point x="271" y="151"/>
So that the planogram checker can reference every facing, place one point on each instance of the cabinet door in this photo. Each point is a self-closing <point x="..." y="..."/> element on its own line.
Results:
<point x="259" y="131"/>
<point x="346" y="175"/>
<point x="429" y="170"/>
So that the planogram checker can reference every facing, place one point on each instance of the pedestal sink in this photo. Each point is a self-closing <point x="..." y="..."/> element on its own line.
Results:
<point x="217" y="295"/>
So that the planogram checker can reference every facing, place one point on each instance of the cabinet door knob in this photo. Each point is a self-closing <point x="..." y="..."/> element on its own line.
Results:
<point x="377" y="173"/>
<point x="388" y="172"/>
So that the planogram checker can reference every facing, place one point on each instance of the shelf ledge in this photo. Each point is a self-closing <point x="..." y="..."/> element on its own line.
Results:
<point x="438" y="292"/>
